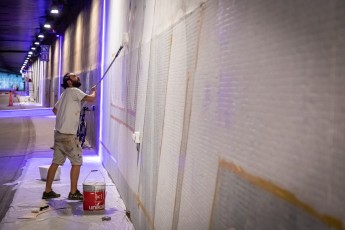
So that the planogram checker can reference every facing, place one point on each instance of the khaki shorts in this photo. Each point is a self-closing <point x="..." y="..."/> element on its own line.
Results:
<point x="67" y="145"/>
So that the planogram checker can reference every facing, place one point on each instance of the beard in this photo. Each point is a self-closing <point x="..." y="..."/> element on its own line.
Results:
<point x="76" y="84"/>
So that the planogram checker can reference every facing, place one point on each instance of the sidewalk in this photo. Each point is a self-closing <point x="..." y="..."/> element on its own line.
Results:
<point x="19" y="102"/>
<point x="62" y="213"/>
<point x="25" y="213"/>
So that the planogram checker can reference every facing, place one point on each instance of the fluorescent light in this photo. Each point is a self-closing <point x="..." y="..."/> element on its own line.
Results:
<point x="47" y="25"/>
<point x="100" y="149"/>
<point x="30" y="52"/>
<point x="33" y="48"/>
<point x="36" y="43"/>
<point x="54" y="11"/>
<point x="41" y="36"/>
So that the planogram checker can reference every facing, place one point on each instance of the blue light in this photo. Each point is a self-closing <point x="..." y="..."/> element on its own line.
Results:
<point x="102" y="71"/>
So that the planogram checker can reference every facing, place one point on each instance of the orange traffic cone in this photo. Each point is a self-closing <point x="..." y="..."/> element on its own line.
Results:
<point x="10" y="102"/>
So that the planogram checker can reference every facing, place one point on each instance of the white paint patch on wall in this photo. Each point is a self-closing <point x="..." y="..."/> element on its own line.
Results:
<point x="201" y="158"/>
<point x="115" y="136"/>
<point x="173" y="127"/>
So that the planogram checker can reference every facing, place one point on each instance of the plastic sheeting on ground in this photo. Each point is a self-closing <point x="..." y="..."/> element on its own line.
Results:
<point x="29" y="211"/>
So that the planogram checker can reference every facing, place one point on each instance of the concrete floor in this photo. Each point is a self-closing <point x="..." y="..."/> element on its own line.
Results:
<point x="25" y="140"/>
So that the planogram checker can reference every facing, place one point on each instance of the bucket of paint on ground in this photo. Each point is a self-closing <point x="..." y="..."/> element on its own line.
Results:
<point x="44" y="172"/>
<point x="94" y="194"/>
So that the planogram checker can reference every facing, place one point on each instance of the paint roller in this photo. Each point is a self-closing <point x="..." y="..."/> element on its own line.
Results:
<point x="124" y="43"/>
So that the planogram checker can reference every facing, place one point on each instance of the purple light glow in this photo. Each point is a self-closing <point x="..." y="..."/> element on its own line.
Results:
<point x="102" y="71"/>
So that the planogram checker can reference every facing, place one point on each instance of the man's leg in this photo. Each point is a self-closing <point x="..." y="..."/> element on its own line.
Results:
<point x="49" y="193"/>
<point x="75" y="171"/>
<point x="50" y="177"/>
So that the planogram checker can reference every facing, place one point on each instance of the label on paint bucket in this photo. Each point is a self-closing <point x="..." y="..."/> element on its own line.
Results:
<point x="94" y="196"/>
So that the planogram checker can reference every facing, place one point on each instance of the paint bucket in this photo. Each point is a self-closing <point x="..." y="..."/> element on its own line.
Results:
<point x="94" y="194"/>
<point x="44" y="172"/>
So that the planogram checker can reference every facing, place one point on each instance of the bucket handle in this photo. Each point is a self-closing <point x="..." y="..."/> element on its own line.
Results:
<point x="94" y="170"/>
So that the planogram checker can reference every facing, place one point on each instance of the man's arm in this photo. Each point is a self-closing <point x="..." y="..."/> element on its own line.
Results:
<point x="92" y="96"/>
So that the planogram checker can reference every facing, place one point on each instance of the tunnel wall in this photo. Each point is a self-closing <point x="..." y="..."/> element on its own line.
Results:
<point x="78" y="50"/>
<point x="239" y="107"/>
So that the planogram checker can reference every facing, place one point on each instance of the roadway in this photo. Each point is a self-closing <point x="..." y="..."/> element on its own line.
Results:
<point x="20" y="137"/>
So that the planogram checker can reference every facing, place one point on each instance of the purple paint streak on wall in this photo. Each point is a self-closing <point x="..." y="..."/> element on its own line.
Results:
<point x="224" y="100"/>
<point x="224" y="32"/>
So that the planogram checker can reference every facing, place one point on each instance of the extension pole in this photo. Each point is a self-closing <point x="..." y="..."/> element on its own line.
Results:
<point x="117" y="54"/>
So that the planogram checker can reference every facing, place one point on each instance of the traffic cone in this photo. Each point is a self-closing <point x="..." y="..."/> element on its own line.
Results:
<point x="10" y="102"/>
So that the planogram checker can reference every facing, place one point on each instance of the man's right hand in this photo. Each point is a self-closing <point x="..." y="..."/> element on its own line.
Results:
<point x="93" y="88"/>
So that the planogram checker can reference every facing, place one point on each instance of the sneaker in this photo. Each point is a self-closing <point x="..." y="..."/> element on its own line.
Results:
<point x="76" y="196"/>
<point x="50" y="195"/>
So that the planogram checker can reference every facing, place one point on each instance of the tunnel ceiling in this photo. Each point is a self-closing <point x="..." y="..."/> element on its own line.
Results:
<point x="22" y="20"/>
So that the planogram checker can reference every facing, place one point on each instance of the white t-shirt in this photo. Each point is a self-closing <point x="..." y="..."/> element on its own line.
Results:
<point x="68" y="110"/>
